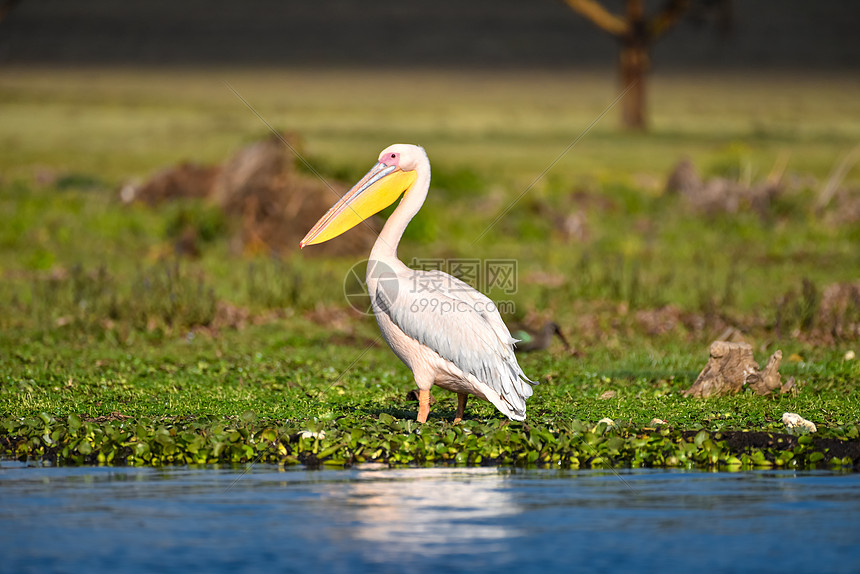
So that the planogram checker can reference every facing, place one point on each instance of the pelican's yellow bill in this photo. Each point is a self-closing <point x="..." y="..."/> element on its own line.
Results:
<point x="377" y="190"/>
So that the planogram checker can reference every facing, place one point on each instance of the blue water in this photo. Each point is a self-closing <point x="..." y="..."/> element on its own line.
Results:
<point x="83" y="520"/>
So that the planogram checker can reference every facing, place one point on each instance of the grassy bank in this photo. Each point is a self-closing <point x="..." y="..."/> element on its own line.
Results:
<point x="115" y="350"/>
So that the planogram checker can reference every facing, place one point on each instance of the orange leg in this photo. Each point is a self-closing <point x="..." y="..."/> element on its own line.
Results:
<point x="423" y="405"/>
<point x="461" y="406"/>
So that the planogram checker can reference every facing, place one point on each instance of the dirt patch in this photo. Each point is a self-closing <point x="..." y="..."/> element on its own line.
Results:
<point x="336" y="318"/>
<point x="839" y="313"/>
<point x="820" y="315"/>
<point x="593" y="323"/>
<point x="844" y="208"/>
<point x="183" y="180"/>
<point x="270" y="204"/>
<point x="740" y="442"/>
<point x="666" y="319"/>
<point x="720" y="194"/>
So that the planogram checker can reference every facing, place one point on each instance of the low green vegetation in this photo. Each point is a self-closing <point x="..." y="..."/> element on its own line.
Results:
<point x="115" y="349"/>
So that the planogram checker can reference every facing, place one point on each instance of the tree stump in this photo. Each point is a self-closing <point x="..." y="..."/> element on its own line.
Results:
<point x="730" y="367"/>
<point x="768" y="380"/>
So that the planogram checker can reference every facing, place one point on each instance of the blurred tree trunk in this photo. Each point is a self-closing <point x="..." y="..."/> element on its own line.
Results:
<point x="633" y="66"/>
<point x="636" y="35"/>
<point x="5" y="7"/>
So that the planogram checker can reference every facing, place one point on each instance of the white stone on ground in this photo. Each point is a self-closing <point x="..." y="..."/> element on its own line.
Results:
<point x="794" y="421"/>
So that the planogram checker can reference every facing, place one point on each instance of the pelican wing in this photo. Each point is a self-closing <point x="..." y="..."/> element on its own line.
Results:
<point x="462" y="325"/>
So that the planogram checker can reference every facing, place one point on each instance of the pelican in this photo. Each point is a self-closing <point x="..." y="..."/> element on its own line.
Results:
<point x="446" y="332"/>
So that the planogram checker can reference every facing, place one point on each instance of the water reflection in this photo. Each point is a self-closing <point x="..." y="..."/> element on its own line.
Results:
<point x="269" y="519"/>
<point x="426" y="512"/>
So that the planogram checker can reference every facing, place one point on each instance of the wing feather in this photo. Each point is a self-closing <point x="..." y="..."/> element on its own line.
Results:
<point x="459" y="323"/>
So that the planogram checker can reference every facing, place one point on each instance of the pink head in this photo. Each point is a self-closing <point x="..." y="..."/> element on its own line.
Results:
<point x="390" y="158"/>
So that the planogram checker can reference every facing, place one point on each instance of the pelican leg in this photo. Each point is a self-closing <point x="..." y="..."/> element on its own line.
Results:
<point x="423" y="405"/>
<point x="461" y="406"/>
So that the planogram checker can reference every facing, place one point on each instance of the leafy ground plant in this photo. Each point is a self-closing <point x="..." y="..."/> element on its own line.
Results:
<point x="351" y="440"/>
<point x="116" y="349"/>
<point x="228" y="399"/>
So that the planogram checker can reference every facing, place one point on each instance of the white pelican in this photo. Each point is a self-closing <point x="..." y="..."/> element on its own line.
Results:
<point x="445" y="331"/>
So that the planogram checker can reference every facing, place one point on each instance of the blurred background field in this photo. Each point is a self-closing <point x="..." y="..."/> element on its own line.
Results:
<point x="127" y="123"/>
<point x="641" y="277"/>
<point x="75" y="138"/>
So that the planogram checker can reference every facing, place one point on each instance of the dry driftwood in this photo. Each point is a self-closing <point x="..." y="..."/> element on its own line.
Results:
<point x="731" y="366"/>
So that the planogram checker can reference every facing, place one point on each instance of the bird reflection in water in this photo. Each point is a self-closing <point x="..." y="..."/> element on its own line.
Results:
<point x="425" y="512"/>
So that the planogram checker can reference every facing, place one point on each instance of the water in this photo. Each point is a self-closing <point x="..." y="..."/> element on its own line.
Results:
<point x="425" y="520"/>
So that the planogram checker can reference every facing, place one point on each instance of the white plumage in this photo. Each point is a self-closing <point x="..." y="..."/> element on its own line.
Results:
<point x="449" y="335"/>
<point x="445" y="331"/>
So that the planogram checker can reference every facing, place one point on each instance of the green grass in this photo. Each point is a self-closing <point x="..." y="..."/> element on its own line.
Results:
<point x="109" y="342"/>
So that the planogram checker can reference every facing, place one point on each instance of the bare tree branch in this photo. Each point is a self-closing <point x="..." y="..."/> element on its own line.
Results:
<point x="600" y="16"/>
<point x="666" y="19"/>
